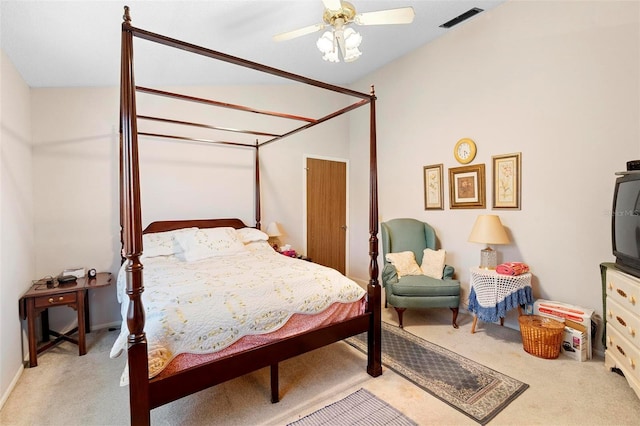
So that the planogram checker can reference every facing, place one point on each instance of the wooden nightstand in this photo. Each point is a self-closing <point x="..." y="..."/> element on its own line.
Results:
<point x="39" y="298"/>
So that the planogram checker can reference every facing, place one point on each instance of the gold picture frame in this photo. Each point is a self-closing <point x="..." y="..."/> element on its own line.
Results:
<point x="467" y="187"/>
<point x="433" y="187"/>
<point x="507" y="181"/>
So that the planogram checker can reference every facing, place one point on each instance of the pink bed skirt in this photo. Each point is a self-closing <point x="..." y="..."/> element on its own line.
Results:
<point x="297" y="324"/>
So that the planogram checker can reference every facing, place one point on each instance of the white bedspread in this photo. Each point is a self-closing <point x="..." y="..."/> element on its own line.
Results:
<point x="204" y="306"/>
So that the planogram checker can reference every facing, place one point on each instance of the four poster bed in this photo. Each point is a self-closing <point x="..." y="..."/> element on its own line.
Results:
<point x="152" y="385"/>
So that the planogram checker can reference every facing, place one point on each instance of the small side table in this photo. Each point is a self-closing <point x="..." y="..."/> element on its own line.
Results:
<point x="493" y="294"/>
<point x="39" y="298"/>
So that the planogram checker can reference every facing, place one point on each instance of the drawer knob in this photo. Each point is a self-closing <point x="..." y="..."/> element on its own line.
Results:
<point x="610" y="286"/>
<point x="610" y="313"/>
<point x="632" y="363"/>
<point x="51" y="300"/>
<point x="632" y="299"/>
<point x="631" y="331"/>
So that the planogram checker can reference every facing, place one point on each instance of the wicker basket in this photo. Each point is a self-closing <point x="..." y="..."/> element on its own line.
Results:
<point x="541" y="336"/>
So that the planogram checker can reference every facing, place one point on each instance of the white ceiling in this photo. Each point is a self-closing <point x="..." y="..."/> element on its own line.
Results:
<point x="77" y="43"/>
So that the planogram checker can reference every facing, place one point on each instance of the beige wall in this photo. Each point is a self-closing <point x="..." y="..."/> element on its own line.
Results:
<point x="16" y="218"/>
<point x="75" y="134"/>
<point x="556" y="81"/>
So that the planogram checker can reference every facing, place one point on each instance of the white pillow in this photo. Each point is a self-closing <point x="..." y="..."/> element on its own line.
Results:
<point x="249" y="235"/>
<point x="162" y="243"/>
<point x="209" y="242"/>
<point x="405" y="263"/>
<point x="433" y="262"/>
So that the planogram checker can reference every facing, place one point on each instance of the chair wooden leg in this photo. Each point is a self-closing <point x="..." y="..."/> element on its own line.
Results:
<point x="455" y="317"/>
<point x="400" y="311"/>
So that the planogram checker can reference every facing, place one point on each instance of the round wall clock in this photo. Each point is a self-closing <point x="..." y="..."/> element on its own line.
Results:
<point x="465" y="151"/>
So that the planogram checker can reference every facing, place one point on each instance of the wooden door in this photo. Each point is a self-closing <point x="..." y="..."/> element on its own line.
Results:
<point x="327" y="212"/>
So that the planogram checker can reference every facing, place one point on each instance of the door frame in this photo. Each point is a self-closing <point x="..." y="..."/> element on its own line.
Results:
<point x="304" y="203"/>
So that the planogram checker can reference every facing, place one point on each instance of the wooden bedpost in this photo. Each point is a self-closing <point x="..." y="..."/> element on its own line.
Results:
<point x="374" y="349"/>
<point x="131" y="228"/>
<point x="257" y="190"/>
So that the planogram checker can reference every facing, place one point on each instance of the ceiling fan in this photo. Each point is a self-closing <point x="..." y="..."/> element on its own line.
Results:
<point x="339" y="15"/>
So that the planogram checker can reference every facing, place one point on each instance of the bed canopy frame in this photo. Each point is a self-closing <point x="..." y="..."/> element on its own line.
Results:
<point x="144" y="393"/>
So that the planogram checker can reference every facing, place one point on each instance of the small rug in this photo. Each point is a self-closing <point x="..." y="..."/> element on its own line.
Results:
<point x="359" y="408"/>
<point x="471" y="388"/>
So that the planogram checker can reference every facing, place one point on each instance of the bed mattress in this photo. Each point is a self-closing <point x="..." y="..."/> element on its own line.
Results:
<point x="197" y="311"/>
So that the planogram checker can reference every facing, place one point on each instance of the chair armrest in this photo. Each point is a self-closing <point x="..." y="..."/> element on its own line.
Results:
<point x="448" y="272"/>
<point x="389" y="274"/>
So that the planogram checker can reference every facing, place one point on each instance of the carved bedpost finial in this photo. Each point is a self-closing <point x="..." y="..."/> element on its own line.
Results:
<point x="126" y="17"/>
<point x="373" y="90"/>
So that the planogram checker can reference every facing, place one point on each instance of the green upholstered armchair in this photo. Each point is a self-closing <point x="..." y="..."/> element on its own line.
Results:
<point x="415" y="291"/>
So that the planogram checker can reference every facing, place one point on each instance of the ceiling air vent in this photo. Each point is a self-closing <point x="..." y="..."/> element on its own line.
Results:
<point x="466" y="15"/>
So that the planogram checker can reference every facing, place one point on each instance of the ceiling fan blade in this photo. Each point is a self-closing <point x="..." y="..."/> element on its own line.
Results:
<point x="299" y="32"/>
<point x="332" y="4"/>
<point x="403" y="15"/>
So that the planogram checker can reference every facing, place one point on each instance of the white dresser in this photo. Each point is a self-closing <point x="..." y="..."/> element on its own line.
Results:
<point x="622" y="311"/>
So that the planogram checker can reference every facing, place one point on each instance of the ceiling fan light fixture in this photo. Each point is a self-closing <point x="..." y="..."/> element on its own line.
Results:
<point x="352" y="38"/>
<point x="352" y="54"/>
<point x="342" y="40"/>
<point x="325" y="42"/>
<point x="331" y="56"/>
<point x="327" y="45"/>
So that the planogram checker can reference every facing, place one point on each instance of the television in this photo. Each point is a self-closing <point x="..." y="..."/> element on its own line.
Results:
<point x="625" y="222"/>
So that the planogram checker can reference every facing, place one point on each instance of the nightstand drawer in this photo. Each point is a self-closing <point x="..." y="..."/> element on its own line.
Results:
<point x="55" y="300"/>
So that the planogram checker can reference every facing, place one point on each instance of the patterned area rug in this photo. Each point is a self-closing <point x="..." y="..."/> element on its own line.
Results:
<point x="359" y="408"/>
<point x="473" y="389"/>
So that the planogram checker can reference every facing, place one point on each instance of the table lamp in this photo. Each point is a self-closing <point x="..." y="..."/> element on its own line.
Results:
<point x="274" y="231"/>
<point x="488" y="230"/>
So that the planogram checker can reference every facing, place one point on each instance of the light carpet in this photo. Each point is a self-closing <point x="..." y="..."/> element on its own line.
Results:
<point x="68" y="390"/>
<point x="359" y="408"/>
<point x="473" y="389"/>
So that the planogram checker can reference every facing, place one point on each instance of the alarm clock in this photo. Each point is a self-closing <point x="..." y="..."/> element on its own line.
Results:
<point x="92" y="273"/>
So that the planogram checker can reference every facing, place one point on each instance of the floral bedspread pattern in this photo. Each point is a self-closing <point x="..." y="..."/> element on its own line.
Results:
<point x="207" y="305"/>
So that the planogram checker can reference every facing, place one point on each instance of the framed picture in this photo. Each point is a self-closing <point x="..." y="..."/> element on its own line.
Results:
<point x="507" y="176"/>
<point x="433" y="188"/>
<point x="467" y="187"/>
